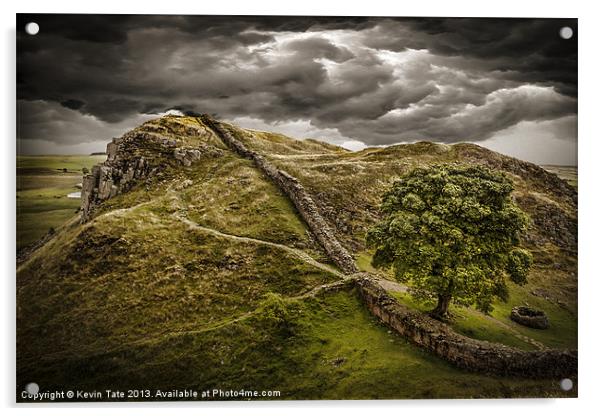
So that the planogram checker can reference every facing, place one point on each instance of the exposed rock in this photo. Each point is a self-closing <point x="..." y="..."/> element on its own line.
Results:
<point x="530" y="317"/>
<point x="137" y="155"/>
<point x="550" y="223"/>
<point x="187" y="156"/>
<point x="109" y="179"/>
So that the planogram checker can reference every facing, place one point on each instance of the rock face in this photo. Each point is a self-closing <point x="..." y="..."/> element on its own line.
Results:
<point x="134" y="157"/>
<point x="297" y="194"/>
<point x="550" y="224"/>
<point x="187" y="156"/>
<point x="110" y="178"/>
<point x="529" y="317"/>
<point x="464" y="352"/>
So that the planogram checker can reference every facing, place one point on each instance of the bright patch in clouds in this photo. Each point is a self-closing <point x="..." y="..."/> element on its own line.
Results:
<point x="351" y="81"/>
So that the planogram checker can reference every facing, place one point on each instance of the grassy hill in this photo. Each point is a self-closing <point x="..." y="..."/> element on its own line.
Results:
<point x="206" y="277"/>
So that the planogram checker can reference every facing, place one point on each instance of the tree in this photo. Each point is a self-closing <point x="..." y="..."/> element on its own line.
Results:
<point x="452" y="233"/>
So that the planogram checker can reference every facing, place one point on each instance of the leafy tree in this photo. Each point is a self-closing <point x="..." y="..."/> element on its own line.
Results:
<point x="451" y="232"/>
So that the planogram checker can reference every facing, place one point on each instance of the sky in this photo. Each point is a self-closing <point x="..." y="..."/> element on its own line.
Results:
<point x="507" y="84"/>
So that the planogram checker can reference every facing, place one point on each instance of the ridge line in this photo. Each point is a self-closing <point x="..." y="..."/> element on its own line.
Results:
<point x="298" y="195"/>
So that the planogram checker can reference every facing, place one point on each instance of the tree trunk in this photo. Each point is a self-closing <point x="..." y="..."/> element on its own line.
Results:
<point x="441" y="310"/>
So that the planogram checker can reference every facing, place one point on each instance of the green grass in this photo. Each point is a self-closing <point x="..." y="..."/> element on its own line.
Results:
<point x="232" y="196"/>
<point x="364" y="262"/>
<point x="471" y="323"/>
<point x="352" y="355"/>
<point x="275" y="143"/>
<point x="32" y="226"/>
<point x="563" y="323"/>
<point x="42" y="189"/>
<point x="136" y="298"/>
<point x="330" y="348"/>
<point x="130" y="267"/>
<point x="498" y="327"/>
<point x="73" y="163"/>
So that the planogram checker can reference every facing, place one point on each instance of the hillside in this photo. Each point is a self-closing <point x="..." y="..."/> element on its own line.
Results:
<point x="191" y="268"/>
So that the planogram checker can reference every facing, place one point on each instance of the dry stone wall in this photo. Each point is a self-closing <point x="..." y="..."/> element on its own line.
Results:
<point x="123" y="168"/>
<point x="297" y="194"/>
<point x="464" y="352"/>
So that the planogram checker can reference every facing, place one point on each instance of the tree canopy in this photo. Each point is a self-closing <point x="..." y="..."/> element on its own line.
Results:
<point x="452" y="233"/>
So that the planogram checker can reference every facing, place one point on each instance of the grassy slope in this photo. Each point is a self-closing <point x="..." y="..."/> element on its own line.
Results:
<point x="148" y="275"/>
<point x="334" y="177"/>
<point x="137" y="299"/>
<point x="331" y="348"/>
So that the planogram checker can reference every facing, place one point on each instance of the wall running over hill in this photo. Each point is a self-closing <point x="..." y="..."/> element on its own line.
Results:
<point x="124" y="168"/>
<point x="297" y="194"/>
<point x="464" y="352"/>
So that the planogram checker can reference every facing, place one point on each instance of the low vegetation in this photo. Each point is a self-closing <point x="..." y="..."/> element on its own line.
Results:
<point x="43" y="183"/>
<point x="205" y="277"/>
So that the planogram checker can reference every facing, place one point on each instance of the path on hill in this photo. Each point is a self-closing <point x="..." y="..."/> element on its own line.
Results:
<point x="517" y="334"/>
<point x="124" y="346"/>
<point x="310" y="213"/>
<point x="302" y="155"/>
<point x="300" y="254"/>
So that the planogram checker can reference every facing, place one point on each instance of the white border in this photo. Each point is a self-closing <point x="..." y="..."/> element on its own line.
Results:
<point x="590" y="154"/>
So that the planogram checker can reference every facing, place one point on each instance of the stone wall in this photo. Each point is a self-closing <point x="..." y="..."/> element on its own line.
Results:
<point x="123" y="168"/>
<point x="297" y="194"/>
<point x="464" y="352"/>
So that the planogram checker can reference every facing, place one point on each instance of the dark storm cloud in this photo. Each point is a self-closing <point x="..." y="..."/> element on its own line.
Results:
<point x="530" y="48"/>
<point x="378" y="80"/>
<point x="73" y="104"/>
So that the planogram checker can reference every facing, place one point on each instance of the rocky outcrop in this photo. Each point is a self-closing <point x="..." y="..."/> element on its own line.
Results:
<point x="529" y="317"/>
<point x="296" y="192"/>
<point x="464" y="352"/>
<point x="550" y="223"/>
<point x="135" y="157"/>
<point x="109" y="179"/>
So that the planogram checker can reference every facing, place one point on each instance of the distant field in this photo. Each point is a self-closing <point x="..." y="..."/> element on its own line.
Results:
<point x="43" y="183"/>
<point x="568" y="173"/>
<point x="58" y="162"/>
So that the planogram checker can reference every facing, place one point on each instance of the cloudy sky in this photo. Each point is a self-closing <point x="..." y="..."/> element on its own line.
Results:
<point x="507" y="84"/>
